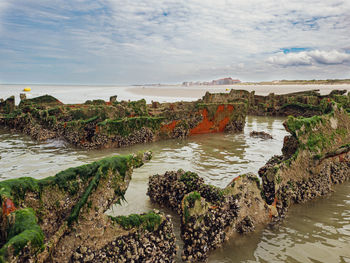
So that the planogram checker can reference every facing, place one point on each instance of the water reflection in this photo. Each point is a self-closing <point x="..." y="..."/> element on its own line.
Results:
<point x="318" y="231"/>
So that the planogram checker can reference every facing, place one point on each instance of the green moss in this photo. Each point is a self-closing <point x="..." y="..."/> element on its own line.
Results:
<point x="98" y="102"/>
<point x="113" y="164"/>
<point x="318" y="141"/>
<point x="295" y="124"/>
<point x="342" y="131"/>
<point x="52" y="120"/>
<point x="139" y="107"/>
<point x="78" y="114"/>
<point x="303" y="106"/>
<point x="13" y="114"/>
<point x="24" y="231"/>
<point x="189" y="202"/>
<point x="192" y="197"/>
<point x="149" y="221"/>
<point x="45" y="99"/>
<point x="186" y="214"/>
<point x="126" y="126"/>
<point x="55" y="111"/>
<point x="16" y="189"/>
<point x="190" y="180"/>
<point x="92" y="119"/>
<point x="342" y="101"/>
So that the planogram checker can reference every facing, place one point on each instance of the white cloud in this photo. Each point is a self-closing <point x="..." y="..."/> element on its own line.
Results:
<point x="132" y="41"/>
<point x="330" y="57"/>
<point x="303" y="58"/>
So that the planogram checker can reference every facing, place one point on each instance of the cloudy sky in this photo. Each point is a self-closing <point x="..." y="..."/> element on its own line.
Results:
<point x="155" y="41"/>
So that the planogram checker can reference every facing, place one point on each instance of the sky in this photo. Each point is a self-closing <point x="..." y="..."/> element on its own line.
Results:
<point x="125" y="42"/>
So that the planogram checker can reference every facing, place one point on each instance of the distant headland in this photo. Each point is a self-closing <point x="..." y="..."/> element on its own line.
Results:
<point x="231" y="81"/>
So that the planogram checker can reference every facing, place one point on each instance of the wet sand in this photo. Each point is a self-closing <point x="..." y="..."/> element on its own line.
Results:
<point x="196" y="92"/>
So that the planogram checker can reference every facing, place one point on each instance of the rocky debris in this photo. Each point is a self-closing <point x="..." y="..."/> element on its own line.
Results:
<point x="53" y="219"/>
<point x="260" y="134"/>
<point x="209" y="214"/>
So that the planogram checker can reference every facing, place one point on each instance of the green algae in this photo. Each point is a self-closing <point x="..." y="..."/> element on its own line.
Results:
<point x="189" y="202"/>
<point x="126" y="126"/>
<point x="303" y="106"/>
<point x="24" y="231"/>
<point x="149" y="221"/>
<point x="41" y="100"/>
<point x="192" y="197"/>
<point x="190" y="179"/>
<point x="139" y="107"/>
<point x="295" y="124"/>
<point x="16" y="189"/>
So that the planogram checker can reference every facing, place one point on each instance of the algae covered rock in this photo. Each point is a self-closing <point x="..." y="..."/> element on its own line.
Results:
<point x="50" y="219"/>
<point x="315" y="156"/>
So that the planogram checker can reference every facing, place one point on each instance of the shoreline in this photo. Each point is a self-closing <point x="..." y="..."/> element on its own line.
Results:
<point x="196" y="92"/>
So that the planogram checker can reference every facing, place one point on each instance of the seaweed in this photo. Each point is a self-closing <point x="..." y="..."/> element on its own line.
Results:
<point x="25" y="231"/>
<point x="126" y="126"/>
<point x="66" y="180"/>
<point x="294" y="124"/>
<point x="148" y="221"/>
<point x="192" y="197"/>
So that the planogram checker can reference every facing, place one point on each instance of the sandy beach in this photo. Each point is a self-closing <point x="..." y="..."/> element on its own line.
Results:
<point x="196" y="92"/>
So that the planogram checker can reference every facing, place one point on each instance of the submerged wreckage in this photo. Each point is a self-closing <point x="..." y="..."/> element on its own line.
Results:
<point x="61" y="218"/>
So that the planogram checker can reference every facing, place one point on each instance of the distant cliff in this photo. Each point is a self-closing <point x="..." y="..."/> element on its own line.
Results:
<point x="224" y="81"/>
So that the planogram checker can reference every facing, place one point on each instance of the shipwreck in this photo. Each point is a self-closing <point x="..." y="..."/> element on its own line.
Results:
<point x="62" y="218"/>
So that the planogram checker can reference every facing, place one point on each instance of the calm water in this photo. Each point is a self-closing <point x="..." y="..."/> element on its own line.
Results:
<point x="79" y="94"/>
<point x="316" y="232"/>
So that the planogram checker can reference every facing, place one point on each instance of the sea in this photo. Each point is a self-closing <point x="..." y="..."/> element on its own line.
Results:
<point x="318" y="231"/>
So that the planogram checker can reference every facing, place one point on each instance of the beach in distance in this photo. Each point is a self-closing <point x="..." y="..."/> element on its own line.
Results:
<point x="161" y="93"/>
<point x="199" y="91"/>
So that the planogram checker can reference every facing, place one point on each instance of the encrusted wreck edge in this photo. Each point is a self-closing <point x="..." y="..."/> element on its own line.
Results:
<point x="315" y="156"/>
<point x="209" y="215"/>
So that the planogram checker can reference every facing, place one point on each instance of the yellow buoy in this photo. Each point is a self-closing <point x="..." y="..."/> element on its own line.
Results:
<point x="27" y="89"/>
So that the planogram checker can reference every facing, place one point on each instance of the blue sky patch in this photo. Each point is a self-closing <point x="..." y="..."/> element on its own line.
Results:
<point x="294" y="49"/>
